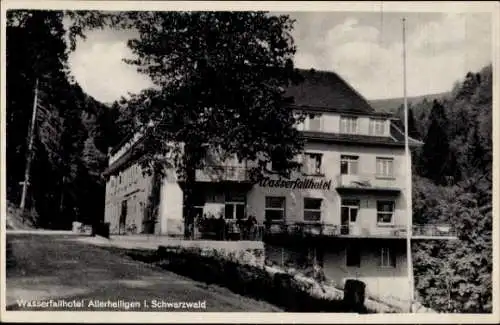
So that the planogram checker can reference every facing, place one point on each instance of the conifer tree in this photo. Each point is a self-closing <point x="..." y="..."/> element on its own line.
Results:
<point x="436" y="154"/>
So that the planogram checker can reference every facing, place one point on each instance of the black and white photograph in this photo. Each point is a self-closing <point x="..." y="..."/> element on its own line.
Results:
<point x="278" y="161"/>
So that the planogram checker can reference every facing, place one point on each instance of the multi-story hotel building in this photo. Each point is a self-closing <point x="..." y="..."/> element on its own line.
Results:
<point x="346" y="208"/>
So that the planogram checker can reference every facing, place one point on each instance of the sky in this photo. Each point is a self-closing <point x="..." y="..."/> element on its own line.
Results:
<point x="364" y="48"/>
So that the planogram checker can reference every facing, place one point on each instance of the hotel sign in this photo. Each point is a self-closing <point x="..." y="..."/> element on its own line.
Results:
<point x="298" y="183"/>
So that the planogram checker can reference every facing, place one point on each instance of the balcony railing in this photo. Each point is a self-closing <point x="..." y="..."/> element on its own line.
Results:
<point x="368" y="181"/>
<point x="431" y="231"/>
<point x="222" y="173"/>
<point x="228" y="229"/>
<point x="303" y="229"/>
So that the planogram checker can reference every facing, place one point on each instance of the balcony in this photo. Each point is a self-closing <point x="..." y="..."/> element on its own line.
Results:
<point x="434" y="232"/>
<point x="305" y="230"/>
<point x="214" y="174"/>
<point x="368" y="183"/>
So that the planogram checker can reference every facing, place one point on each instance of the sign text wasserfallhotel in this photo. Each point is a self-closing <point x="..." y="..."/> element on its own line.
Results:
<point x="119" y="304"/>
<point x="298" y="183"/>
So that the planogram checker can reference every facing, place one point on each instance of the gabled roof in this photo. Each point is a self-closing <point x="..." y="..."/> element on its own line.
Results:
<point x="328" y="90"/>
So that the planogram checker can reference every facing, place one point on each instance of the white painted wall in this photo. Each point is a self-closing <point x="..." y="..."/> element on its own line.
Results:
<point x="390" y="284"/>
<point x="133" y="188"/>
<point x="171" y="202"/>
<point x="387" y="283"/>
<point x="170" y="210"/>
<point x="331" y="199"/>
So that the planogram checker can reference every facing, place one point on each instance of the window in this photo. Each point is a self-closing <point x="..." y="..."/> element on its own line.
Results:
<point x="349" y="210"/>
<point x="349" y="125"/>
<point x="278" y="161"/>
<point x="352" y="256"/>
<point x="312" y="209"/>
<point x="276" y="165"/>
<point x="275" y="208"/>
<point x="385" y="167"/>
<point x="315" y="122"/>
<point x="348" y="165"/>
<point x="312" y="163"/>
<point x="134" y="205"/>
<point x="137" y="173"/>
<point x="198" y="203"/>
<point x="234" y="206"/>
<point x="377" y="127"/>
<point x="387" y="257"/>
<point x="385" y="211"/>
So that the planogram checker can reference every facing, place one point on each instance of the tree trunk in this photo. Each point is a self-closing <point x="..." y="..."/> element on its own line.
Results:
<point x="153" y="203"/>
<point x="61" y="202"/>
<point x="190" y="163"/>
<point x="188" y="211"/>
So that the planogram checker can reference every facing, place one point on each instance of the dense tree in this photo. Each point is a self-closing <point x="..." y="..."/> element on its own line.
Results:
<point x="219" y="82"/>
<point x="62" y="156"/>
<point x="436" y="156"/>
<point x="456" y="276"/>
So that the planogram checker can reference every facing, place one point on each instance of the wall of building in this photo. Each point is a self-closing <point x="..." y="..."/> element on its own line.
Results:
<point x="330" y="210"/>
<point x="170" y="210"/>
<point x="132" y="187"/>
<point x="171" y="197"/>
<point x="388" y="283"/>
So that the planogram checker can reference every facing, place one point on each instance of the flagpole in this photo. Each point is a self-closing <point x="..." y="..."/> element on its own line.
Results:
<point x="409" y="221"/>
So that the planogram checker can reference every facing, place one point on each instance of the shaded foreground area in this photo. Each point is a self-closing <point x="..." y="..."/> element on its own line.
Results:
<point x="280" y="289"/>
<point x="43" y="267"/>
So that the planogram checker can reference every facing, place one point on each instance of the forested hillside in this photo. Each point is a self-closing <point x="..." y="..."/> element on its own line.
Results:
<point x="72" y="132"/>
<point x="453" y="184"/>
<point x="391" y="105"/>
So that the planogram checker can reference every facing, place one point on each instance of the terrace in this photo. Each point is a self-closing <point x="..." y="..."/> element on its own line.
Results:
<point x="232" y="230"/>
<point x="308" y="230"/>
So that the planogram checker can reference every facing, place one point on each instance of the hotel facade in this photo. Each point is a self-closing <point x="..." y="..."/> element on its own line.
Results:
<point x="346" y="209"/>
